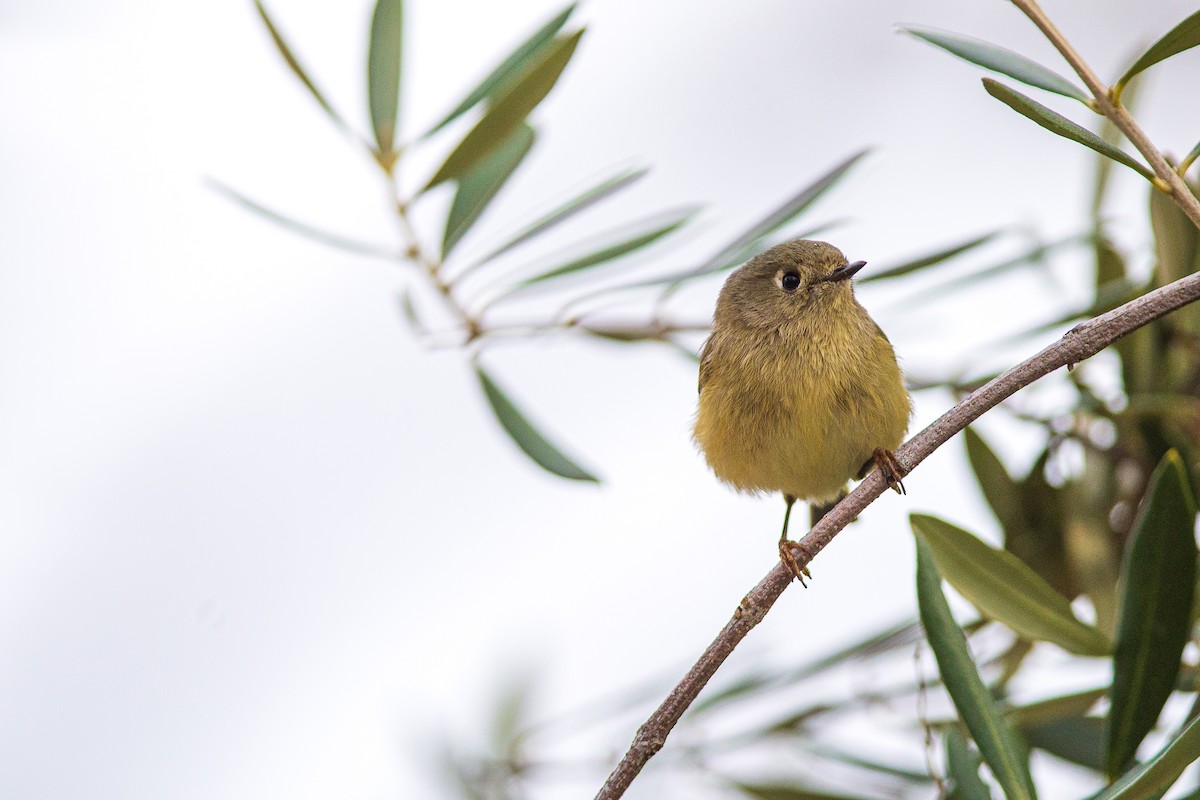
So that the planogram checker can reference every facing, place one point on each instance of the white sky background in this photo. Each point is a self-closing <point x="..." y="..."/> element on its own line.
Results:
<point x="256" y="542"/>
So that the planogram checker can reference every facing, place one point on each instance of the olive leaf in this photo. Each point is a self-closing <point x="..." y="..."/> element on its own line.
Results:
<point x="303" y="228"/>
<point x="513" y="65"/>
<point x="962" y="768"/>
<point x="509" y="109"/>
<point x="748" y="241"/>
<point x="999" y="59"/>
<point x="1005" y="589"/>
<point x="1002" y="751"/>
<point x="610" y="246"/>
<point x="526" y="436"/>
<point x="580" y="202"/>
<point x="1182" y="37"/>
<point x="1150" y="779"/>
<point x="1159" y="582"/>
<point x="927" y="260"/>
<point x="1057" y="123"/>
<point x="383" y="76"/>
<point x="294" y="65"/>
<point x="479" y="185"/>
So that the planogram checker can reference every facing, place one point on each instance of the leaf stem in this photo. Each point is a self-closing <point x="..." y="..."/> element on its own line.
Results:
<point x="430" y="265"/>
<point x="1108" y="102"/>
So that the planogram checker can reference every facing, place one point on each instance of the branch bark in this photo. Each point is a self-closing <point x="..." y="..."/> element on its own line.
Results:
<point x="1080" y="343"/>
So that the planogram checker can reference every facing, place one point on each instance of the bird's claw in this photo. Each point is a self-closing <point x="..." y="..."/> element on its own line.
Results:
<point x="788" y="557"/>
<point x="890" y="469"/>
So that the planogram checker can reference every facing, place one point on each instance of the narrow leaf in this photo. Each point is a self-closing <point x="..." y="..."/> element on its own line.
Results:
<point x="999" y="488"/>
<point x="735" y="252"/>
<point x="1156" y="603"/>
<point x="1176" y="240"/>
<point x="479" y="185"/>
<point x="615" y="244"/>
<point x="1152" y="778"/>
<point x="1005" y="589"/>
<point x="902" y="635"/>
<point x="383" y="75"/>
<point x="962" y="767"/>
<point x="998" y="59"/>
<point x="509" y="109"/>
<point x="1057" y="123"/>
<point x="1187" y="161"/>
<point x="507" y="69"/>
<point x="1054" y="709"/>
<point x="788" y="792"/>
<point x="575" y="205"/>
<point x="293" y="64"/>
<point x="1183" y="36"/>
<point x="928" y="260"/>
<point x="409" y="309"/>
<point x="1079" y="740"/>
<point x="303" y="228"/>
<point x="1001" y="750"/>
<point x="526" y="436"/>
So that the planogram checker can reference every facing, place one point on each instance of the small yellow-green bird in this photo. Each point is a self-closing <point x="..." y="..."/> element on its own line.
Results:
<point x="799" y="388"/>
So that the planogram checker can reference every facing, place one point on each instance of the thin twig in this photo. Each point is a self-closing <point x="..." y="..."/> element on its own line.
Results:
<point x="1108" y="103"/>
<point x="1078" y="344"/>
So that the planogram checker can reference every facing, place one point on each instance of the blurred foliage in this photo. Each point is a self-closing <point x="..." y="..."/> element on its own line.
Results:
<point x="1097" y="555"/>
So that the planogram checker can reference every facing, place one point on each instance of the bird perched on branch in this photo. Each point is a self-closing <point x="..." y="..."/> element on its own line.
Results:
<point x="799" y="388"/>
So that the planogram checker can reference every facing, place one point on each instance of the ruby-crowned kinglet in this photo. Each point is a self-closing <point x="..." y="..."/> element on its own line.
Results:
<point x="799" y="388"/>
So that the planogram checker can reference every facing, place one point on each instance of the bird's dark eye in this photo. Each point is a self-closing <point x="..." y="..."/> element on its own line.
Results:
<point x="790" y="281"/>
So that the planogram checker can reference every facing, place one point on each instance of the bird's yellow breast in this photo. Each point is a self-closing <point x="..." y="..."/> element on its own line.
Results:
<point x="800" y="411"/>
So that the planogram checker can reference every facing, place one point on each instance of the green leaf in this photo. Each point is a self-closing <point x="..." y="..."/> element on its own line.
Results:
<point x="1176" y="240"/>
<point x="785" y="792"/>
<point x="1188" y="160"/>
<point x="293" y="64"/>
<point x="1108" y="297"/>
<point x="999" y="489"/>
<point x="575" y="205"/>
<point x="1054" y="709"/>
<point x="303" y="228"/>
<point x="998" y="59"/>
<point x="613" y="245"/>
<point x="478" y="187"/>
<point x="383" y="75"/>
<point x="526" y="436"/>
<point x="1079" y="740"/>
<point x="1002" y="751"/>
<point x="1003" y="588"/>
<point x="1156" y="603"/>
<point x="509" y="109"/>
<point x="927" y="260"/>
<point x="1153" y="777"/>
<point x="1110" y="264"/>
<point x="748" y="241"/>
<point x="1057" y="123"/>
<point x="513" y="65"/>
<point x="885" y="641"/>
<point x="409" y="309"/>
<point x="962" y="768"/>
<point x="1183" y="36"/>
<point x="1177" y="253"/>
<point x="1041" y="543"/>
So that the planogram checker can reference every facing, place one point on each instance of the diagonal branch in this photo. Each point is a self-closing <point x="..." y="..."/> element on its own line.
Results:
<point x="1078" y="344"/>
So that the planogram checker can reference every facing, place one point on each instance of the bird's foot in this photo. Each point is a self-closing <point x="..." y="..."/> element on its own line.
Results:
<point x="889" y="467"/>
<point x="788" y="556"/>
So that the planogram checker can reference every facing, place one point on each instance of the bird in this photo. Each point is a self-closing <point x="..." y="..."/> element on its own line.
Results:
<point x="800" y="390"/>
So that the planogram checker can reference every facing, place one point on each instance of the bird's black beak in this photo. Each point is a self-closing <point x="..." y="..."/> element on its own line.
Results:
<point x="843" y="273"/>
